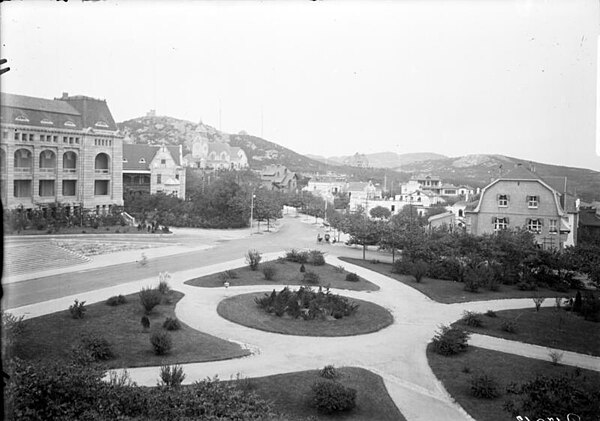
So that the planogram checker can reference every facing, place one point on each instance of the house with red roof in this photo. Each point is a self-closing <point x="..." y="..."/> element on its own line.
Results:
<point x="152" y="169"/>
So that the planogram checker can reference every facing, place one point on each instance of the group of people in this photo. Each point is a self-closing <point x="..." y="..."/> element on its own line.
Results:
<point x="327" y="237"/>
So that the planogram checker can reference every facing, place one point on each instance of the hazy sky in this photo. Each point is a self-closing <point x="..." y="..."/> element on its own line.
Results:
<point x="329" y="78"/>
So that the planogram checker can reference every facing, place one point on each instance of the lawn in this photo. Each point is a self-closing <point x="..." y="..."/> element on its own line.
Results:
<point x="243" y="310"/>
<point x="290" y="394"/>
<point x="449" y="292"/>
<point x="505" y="368"/>
<point x="51" y="337"/>
<point x="112" y="229"/>
<point x="548" y="327"/>
<point x="287" y="273"/>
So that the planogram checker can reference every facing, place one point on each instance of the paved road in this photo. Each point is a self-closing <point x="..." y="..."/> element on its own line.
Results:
<point x="293" y="233"/>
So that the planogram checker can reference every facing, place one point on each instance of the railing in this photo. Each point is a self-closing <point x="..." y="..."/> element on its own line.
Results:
<point x="70" y="170"/>
<point x="22" y="169"/>
<point x="47" y="170"/>
<point x="101" y="171"/>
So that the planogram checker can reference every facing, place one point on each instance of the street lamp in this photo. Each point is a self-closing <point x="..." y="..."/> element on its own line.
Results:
<point x="251" y="210"/>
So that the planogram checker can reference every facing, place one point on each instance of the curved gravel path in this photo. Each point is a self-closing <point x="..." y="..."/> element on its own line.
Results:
<point x="396" y="353"/>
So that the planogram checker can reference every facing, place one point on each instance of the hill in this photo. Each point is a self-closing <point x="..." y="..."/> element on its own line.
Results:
<point x="381" y="159"/>
<point x="479" y="170"/>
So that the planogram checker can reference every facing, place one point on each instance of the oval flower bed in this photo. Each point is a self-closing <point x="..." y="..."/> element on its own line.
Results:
<point x="305" y="312"/>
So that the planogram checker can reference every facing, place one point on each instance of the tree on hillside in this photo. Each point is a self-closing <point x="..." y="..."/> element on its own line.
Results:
<point x="380" y="212"/>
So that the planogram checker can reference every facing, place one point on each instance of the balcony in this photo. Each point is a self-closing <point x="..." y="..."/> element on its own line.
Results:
<point x="47" y="170"/>
<point x="70" y="170"/>
<point x="104" y="171"/>
<point x="22" y="170"/>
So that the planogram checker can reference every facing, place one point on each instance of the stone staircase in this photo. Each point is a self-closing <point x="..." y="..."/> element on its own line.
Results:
<point x="34" y="257"/>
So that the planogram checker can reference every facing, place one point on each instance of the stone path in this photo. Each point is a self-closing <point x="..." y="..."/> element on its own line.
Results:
<point x="397" y="353"/>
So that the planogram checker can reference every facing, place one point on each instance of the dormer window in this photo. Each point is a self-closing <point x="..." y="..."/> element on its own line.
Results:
<point x="47" y="122"/>
<point x="69" y="123"/>
<point x="142" y="161"/>
<point x="101" y="124"/>
<point x="22" y="119"/>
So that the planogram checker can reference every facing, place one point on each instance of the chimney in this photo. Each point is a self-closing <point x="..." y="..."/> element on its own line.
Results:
<point x="65" y="95"/>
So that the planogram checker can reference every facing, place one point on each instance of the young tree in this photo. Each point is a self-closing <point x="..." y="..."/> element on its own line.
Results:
<point x="363" y="230"/>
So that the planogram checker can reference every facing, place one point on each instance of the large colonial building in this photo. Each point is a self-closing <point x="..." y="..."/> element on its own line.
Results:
<point x="152" y="169"/>
<point x="66" y="150"/>
<point x="521" y="199"/>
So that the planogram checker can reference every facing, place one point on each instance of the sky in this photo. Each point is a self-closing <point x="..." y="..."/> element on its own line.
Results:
<point x="329" y="78"/>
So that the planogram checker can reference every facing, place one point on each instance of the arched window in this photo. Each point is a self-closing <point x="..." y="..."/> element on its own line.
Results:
<point x="47" y="161"/>
<point x="23" y="160"/>
<point x="70" y="162"/>
<point x="101" y="163"/>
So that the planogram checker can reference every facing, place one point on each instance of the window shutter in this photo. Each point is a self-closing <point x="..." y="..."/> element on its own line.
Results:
<point x="541" y="222"/>
<point x="494" y="219"/>
<point x="506" y="219"/>
<point x="497" y="197"/>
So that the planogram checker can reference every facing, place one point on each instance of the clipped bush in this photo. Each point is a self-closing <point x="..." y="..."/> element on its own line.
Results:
<point x="302" y="268"/>
<point x="77" y="309"/>
<point x="116" y="300"/>
<point x="484" y="386"/>
<point x="316" y="258"/>
<point x="352" y="277"/>
<point x="329" y="372"/>
<point x="161" y="342"/>
<point x="269" y="271"/>
<point x="311" y="278"/>
<point x="491" y="313"/>
<point x="171" y="376"/>
<point x="150" y="298"/>
<point x="99" y="348"/>
<point x="253" y="258"/>
<point x="331" y="397"/>
<point x="450" y="340"/>
<point x="419" y="269"/>
<point x="297" y="256"/>
<point x="171" y="324"/>
<point x="509" y="326"/>
<point x="471" y="319"/>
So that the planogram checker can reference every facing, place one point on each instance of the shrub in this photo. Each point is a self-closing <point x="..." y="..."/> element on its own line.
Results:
<point x="590" y="307"/>
<point x="161" y="342"/>
<point x="149" y="298"/>
<point x="297" y="256"/>
<point x="77" y="309"/>
<point x="450" y="340"/>
<point x="419" y="270"/>
<point x="302" y="268"/>
<point x="491" y="313"/>
<point x="269" y="272"/>
<point x="577" y="303"/>
<point x="471" y="280"/>
<point x="253" y="258"/>
<point x="527" y="286"/>
<point x="171" y="376"/>
<point x="537" y="301"/>
<point x="509" y="326"/>
<point x="116" y="300"/>
<point x="145" y="322"/>
<point x="402" y="267"/>
<point x="316" y="258"/>
<point x="12" y="328"/>
<point x="171" y="324"/>
<point x="484" y="386"/>
<point x="311" y="278"/>
<point x="120" y="378"/>
<point x="331" y="397"/>
<point x="163" y="283"/>
<point x="556" y="357"/>
<point x="329" y="372"/>
<point x="339" y="269"/>
<point x="96" y="347"/>
<point x="231" y="274"/>
<point x="471" y="319"/>
<point x="548" y="396"/>
<point x="352" y="277"/>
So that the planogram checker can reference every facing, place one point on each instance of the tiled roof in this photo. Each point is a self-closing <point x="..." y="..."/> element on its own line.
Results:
<point x="31" y="111"/>
<point x="95" y="112"/>
<point x="589" y="218"/>
<point x="559" y="184"/>
<point x="472" y="205"/>
<point x="357" y="186"/>
<point x="519" y="173"/>
<point x="218" y="147"/>
<point x="134" y="153"/>
<point x="174" y="151"/>
<point x="440" y="216"/>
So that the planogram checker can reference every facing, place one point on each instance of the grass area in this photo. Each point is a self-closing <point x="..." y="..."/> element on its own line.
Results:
<point x="505" y="368"/>
<point x="51" y="337"/>
<point x="243" y="310"/>
<point x="449" y="292"/>
<point x="548" y="327"/>
<point x="290" y="394"/>
<point x="288" y="273"/>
